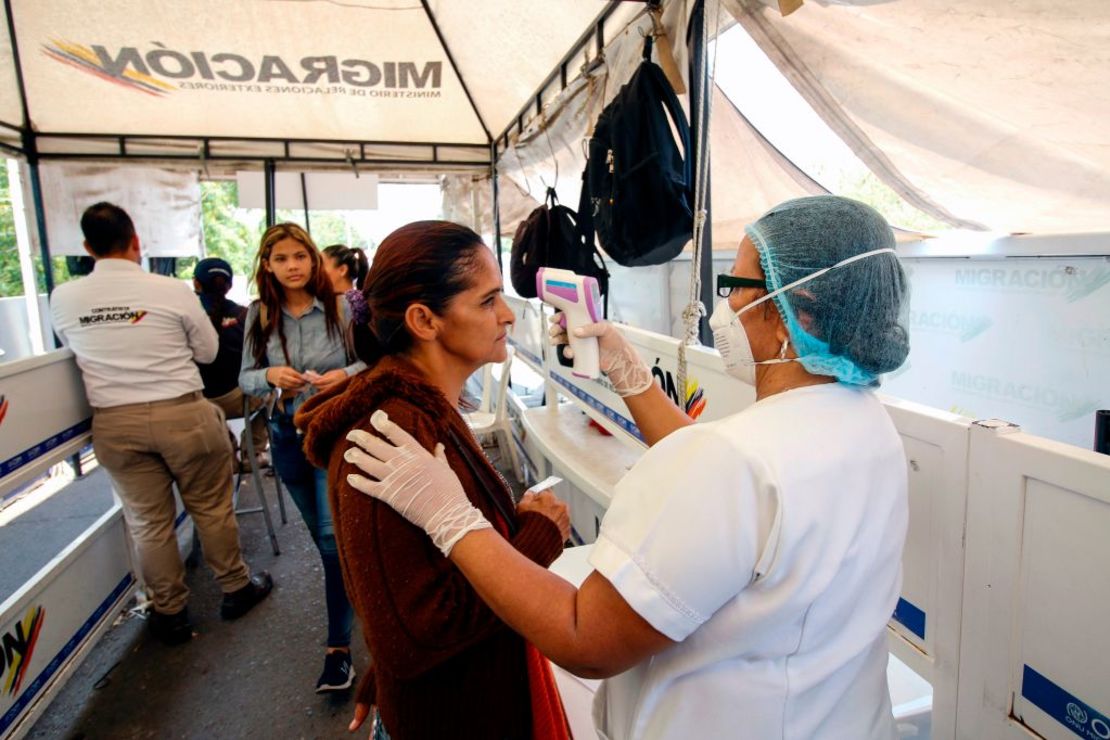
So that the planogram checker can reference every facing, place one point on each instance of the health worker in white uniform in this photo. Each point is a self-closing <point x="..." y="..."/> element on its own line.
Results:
<point x="747" y="567"/>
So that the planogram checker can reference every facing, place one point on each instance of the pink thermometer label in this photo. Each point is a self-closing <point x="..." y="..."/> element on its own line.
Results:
<point x="562" y="289"/>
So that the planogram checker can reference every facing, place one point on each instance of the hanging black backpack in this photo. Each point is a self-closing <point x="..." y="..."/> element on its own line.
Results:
<point x="550" y="237"/>
<point x="639" y="177"/>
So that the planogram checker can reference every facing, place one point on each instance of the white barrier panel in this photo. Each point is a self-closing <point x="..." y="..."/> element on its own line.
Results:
<point x="974" y="322"/>
<point x="925" y="631"/>
<point x="48" y="626"/>
<point x="1037" y="590"/>
<point x="44" y="416"/>
<point x="710" y="393"/>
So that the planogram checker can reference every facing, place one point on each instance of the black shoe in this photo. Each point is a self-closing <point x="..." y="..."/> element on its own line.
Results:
<point x="238" y="603"/>
<point x="338" y="673"/>
<point x="171" y="629"/>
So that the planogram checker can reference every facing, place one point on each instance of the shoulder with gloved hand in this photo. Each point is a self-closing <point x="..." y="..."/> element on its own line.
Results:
<point x="425" y="625"/>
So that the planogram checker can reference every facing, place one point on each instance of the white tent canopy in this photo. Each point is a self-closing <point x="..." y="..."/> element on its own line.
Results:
<point x="440" y="72"/>
<point x="989" y="114"/>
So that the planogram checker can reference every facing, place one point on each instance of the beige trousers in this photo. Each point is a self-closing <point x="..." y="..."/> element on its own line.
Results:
<point x="232" y="405"/>
<point x="146" y="449"/>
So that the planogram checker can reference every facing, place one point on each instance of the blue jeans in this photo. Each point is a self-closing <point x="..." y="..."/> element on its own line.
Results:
<point x="308" y="487"/>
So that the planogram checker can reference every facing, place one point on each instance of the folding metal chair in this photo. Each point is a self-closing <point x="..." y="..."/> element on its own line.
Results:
<point x="257" y="478"/>
<point x="492" y="416"/>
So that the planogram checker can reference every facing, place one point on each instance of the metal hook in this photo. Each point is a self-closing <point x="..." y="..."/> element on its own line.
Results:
<point x="590" y="65"/>
<point x="203" y="161"/>
<point x="351" y="161"/>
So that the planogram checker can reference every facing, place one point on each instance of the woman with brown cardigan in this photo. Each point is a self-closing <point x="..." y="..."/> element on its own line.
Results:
<point x="430" y="314"/>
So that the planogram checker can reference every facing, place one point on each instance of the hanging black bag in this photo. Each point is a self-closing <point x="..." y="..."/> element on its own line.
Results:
<point x="550" y="237"/>
<point x="639" y="175"/>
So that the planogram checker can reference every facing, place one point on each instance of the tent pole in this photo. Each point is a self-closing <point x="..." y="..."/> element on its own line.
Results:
<point x="496" y="206"/>
<point x="304" y="200"/>
<point x="30" y="150"/>
<point x="40" y="221"/>
<point x="26" y="265"/>
<point x="699" y="81"/>
<point x="269" y="178"/>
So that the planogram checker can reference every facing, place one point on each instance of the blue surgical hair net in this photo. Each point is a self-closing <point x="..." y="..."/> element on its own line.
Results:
<point x="849" y="322"/>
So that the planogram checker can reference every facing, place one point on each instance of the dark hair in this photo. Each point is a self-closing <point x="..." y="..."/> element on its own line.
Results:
<point x="426" y="262"/>
<point x="216" y="288"/>
<point x="271" y="295"/>
<point x="107" y="228"/>
<point x="215" y="285"/>
<point x="353" y="259"/>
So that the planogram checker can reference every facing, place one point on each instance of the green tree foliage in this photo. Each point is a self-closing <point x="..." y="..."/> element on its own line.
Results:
<point x="233" y="233"/>
<point x="868" y="188"/>
<point x="230" y="232"/>
<point x="225" y="235"/>
<point x="11" y="280"/>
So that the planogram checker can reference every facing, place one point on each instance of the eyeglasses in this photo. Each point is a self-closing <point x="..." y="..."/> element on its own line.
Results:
<point x="725" y="284"/>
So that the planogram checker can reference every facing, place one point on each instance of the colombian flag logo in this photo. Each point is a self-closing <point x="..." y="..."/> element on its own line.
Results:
<point x="138" y="317"/>
<point x="18" y="648"/>
<point x="84" y="59"/>
<point x="3" y="408"/>
<point x="695" y="399"/>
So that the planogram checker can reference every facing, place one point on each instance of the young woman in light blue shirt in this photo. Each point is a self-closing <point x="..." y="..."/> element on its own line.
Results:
<point x="296" y="345"/>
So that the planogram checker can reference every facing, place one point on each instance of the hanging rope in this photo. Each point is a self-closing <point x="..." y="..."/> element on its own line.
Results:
<point x="703" y="96"/>
<point x="523" y="172"/>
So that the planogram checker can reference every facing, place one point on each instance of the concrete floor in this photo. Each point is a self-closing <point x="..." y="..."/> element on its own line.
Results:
<point x="35" y="537"/>
<point x="253" y="678"/>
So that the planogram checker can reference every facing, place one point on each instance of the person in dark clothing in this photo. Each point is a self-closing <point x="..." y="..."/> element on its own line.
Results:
<point x="429" y="315"/>
<point x="212" y="280"/>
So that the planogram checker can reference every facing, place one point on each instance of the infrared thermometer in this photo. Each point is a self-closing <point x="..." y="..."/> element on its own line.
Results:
<point x="578" y="297"/>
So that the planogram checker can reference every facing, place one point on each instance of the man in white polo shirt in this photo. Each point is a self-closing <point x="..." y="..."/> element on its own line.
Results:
<point x="136" y="336"/>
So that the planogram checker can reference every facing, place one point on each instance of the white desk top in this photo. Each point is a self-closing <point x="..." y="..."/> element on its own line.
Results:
<point x="592" y="462"/>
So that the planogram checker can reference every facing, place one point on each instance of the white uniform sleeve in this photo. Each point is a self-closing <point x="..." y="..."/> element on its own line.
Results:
<point x="202" y="337"/>
<point x="682" y="535"/>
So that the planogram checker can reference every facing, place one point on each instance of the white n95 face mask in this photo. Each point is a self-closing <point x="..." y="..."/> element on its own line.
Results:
<point x="732" y="342"/>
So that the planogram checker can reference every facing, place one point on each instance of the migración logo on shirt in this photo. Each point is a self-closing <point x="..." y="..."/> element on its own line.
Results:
<point x="112" y="315"/>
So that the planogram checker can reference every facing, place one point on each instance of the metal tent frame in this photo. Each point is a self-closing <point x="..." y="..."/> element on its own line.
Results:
<point x="36" y="146"/>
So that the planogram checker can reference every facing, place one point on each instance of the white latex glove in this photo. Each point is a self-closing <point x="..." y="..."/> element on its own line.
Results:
<point x="618" y="359"/>
<point x="419" y="486"/>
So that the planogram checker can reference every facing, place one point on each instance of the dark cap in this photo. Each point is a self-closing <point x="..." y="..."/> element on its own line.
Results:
<point x="209" y="268"/>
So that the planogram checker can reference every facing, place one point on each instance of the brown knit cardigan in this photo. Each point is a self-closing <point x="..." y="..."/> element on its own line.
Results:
<point x="443" y="665"/>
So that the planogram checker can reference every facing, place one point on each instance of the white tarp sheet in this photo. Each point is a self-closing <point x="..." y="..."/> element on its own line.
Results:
<point x="990" y="112"/>
<point x="163" y="203"/>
